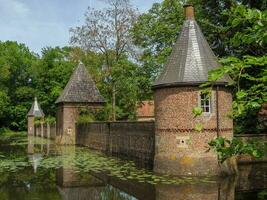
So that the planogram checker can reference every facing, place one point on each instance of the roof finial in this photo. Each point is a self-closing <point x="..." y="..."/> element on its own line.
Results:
<point x="189" y="11"/>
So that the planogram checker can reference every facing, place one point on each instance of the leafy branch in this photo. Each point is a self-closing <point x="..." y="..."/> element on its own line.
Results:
<point x="228" y="148"/>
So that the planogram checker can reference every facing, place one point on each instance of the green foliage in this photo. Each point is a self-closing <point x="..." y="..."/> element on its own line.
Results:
<point x="86" y="115"/>
<point x="250" y="30"/>
<point x="50" y="120"/>
<point x="249" y="83"/>
<point x="199" y="127"/>
<point x="4" y="103"/>
<point x="39" y="120"/>
<point x="50" y="75"/>
<point x="15" y="85"/>
<point x="229" y="148"/>
<point x="85" y="119"/>
<point x="262" y="195"/>
<point x="7" y="136"/>
<point x="156" y="32"/>
<point x="248" y="69"/>
<point x="197" y="111"/>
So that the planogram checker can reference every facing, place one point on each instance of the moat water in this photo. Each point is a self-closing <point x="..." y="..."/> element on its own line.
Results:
<point x="34" y="168"/>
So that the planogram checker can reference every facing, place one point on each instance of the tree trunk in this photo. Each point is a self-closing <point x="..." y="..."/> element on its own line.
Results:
<point x="113" y="102"/>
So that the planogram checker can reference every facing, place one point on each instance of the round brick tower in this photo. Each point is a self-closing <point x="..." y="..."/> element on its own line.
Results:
<point x="179" y="148"/>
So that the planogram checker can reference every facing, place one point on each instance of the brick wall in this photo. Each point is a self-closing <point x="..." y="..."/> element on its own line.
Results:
<point x="132" y="140"/>
<point x="45" y="130"/>
<point x="67" y="116"/>
<point x="30" y="125"/>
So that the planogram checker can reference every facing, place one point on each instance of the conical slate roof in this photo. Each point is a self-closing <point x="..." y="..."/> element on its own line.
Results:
<point x="81" y="88"/>
<point x="191" y="58"/>
<point x="36" y="110"/>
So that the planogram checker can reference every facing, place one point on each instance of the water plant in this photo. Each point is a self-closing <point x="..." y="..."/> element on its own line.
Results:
<point x="84" y="161"/>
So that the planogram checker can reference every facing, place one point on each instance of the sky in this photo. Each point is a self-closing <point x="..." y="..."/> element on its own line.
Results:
<point x="42" y="23"/>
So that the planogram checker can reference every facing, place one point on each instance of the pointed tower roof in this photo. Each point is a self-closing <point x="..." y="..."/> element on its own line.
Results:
<point x="36" y="110"/>
<point x="81" y="88"/>
<point x="191" y="57"/>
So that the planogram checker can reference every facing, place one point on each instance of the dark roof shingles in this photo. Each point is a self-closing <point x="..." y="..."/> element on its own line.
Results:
<point x="80" y="88"/>
<point x="190" y="60"/>
<point x="36" y="110"/>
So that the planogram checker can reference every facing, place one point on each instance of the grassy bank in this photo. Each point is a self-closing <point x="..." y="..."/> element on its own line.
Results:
<point x="8" y="136"/>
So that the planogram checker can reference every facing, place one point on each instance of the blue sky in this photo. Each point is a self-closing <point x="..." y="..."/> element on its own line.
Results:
<point x="41" y="23"/>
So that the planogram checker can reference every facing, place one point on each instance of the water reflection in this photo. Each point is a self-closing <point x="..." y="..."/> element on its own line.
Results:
<point x="68" y="183"/>
<point x="73" y="185"/>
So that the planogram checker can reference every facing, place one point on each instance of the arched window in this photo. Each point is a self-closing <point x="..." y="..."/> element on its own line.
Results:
<point x="205" y="102"/>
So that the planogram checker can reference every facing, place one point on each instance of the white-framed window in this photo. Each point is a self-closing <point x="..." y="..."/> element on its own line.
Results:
<point x="205" y="102"/>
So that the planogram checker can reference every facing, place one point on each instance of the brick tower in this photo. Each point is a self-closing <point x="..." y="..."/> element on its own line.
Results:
<point x="35" y="111"/>
<point x="179" y="148"/>
<point x="80" y="92"/>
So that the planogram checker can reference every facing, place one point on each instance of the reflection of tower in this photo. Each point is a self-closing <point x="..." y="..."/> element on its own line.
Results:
<point x="224" y="189"/>
<point x="179" y="148"/>
<point x="80" y="93"/>
<point x="34" y="112"/>
<point x="30" y="149"/>
<point x="73" y="186"/>
<point x="35" y="160"/>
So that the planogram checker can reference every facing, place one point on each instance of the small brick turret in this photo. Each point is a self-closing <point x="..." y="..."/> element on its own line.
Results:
<point x="80" y="92"/>
<point x="35" y="111"/>
<point x="179" y="148"/>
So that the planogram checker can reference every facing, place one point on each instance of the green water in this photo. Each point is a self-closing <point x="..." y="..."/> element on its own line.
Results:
<point x="34" y="168"/>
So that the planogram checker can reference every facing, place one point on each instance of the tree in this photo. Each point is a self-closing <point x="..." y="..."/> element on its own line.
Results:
<point x="156" y="32"/>
<point x="107" y="31"/>
<point x="51" y="74"/>
<point x="235" y="28"/>
<point x="248" y="69"/>
<point x="16" y="88"/>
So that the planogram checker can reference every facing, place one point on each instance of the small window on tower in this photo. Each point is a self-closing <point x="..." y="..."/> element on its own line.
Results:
<point x="205" y="103"/>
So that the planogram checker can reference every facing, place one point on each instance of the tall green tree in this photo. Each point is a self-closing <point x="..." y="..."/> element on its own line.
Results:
<point x="248" y="68"/>
<point x="15" y="83"/>
<point x="50" y="75"/>
<point x="155" y="32"/>
<point x="107" y="31"/>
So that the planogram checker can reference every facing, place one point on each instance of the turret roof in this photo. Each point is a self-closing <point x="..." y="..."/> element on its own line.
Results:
<point x="36" y="110"/>
<point x="191" y="58"/>
<point x="81" y="88"/>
